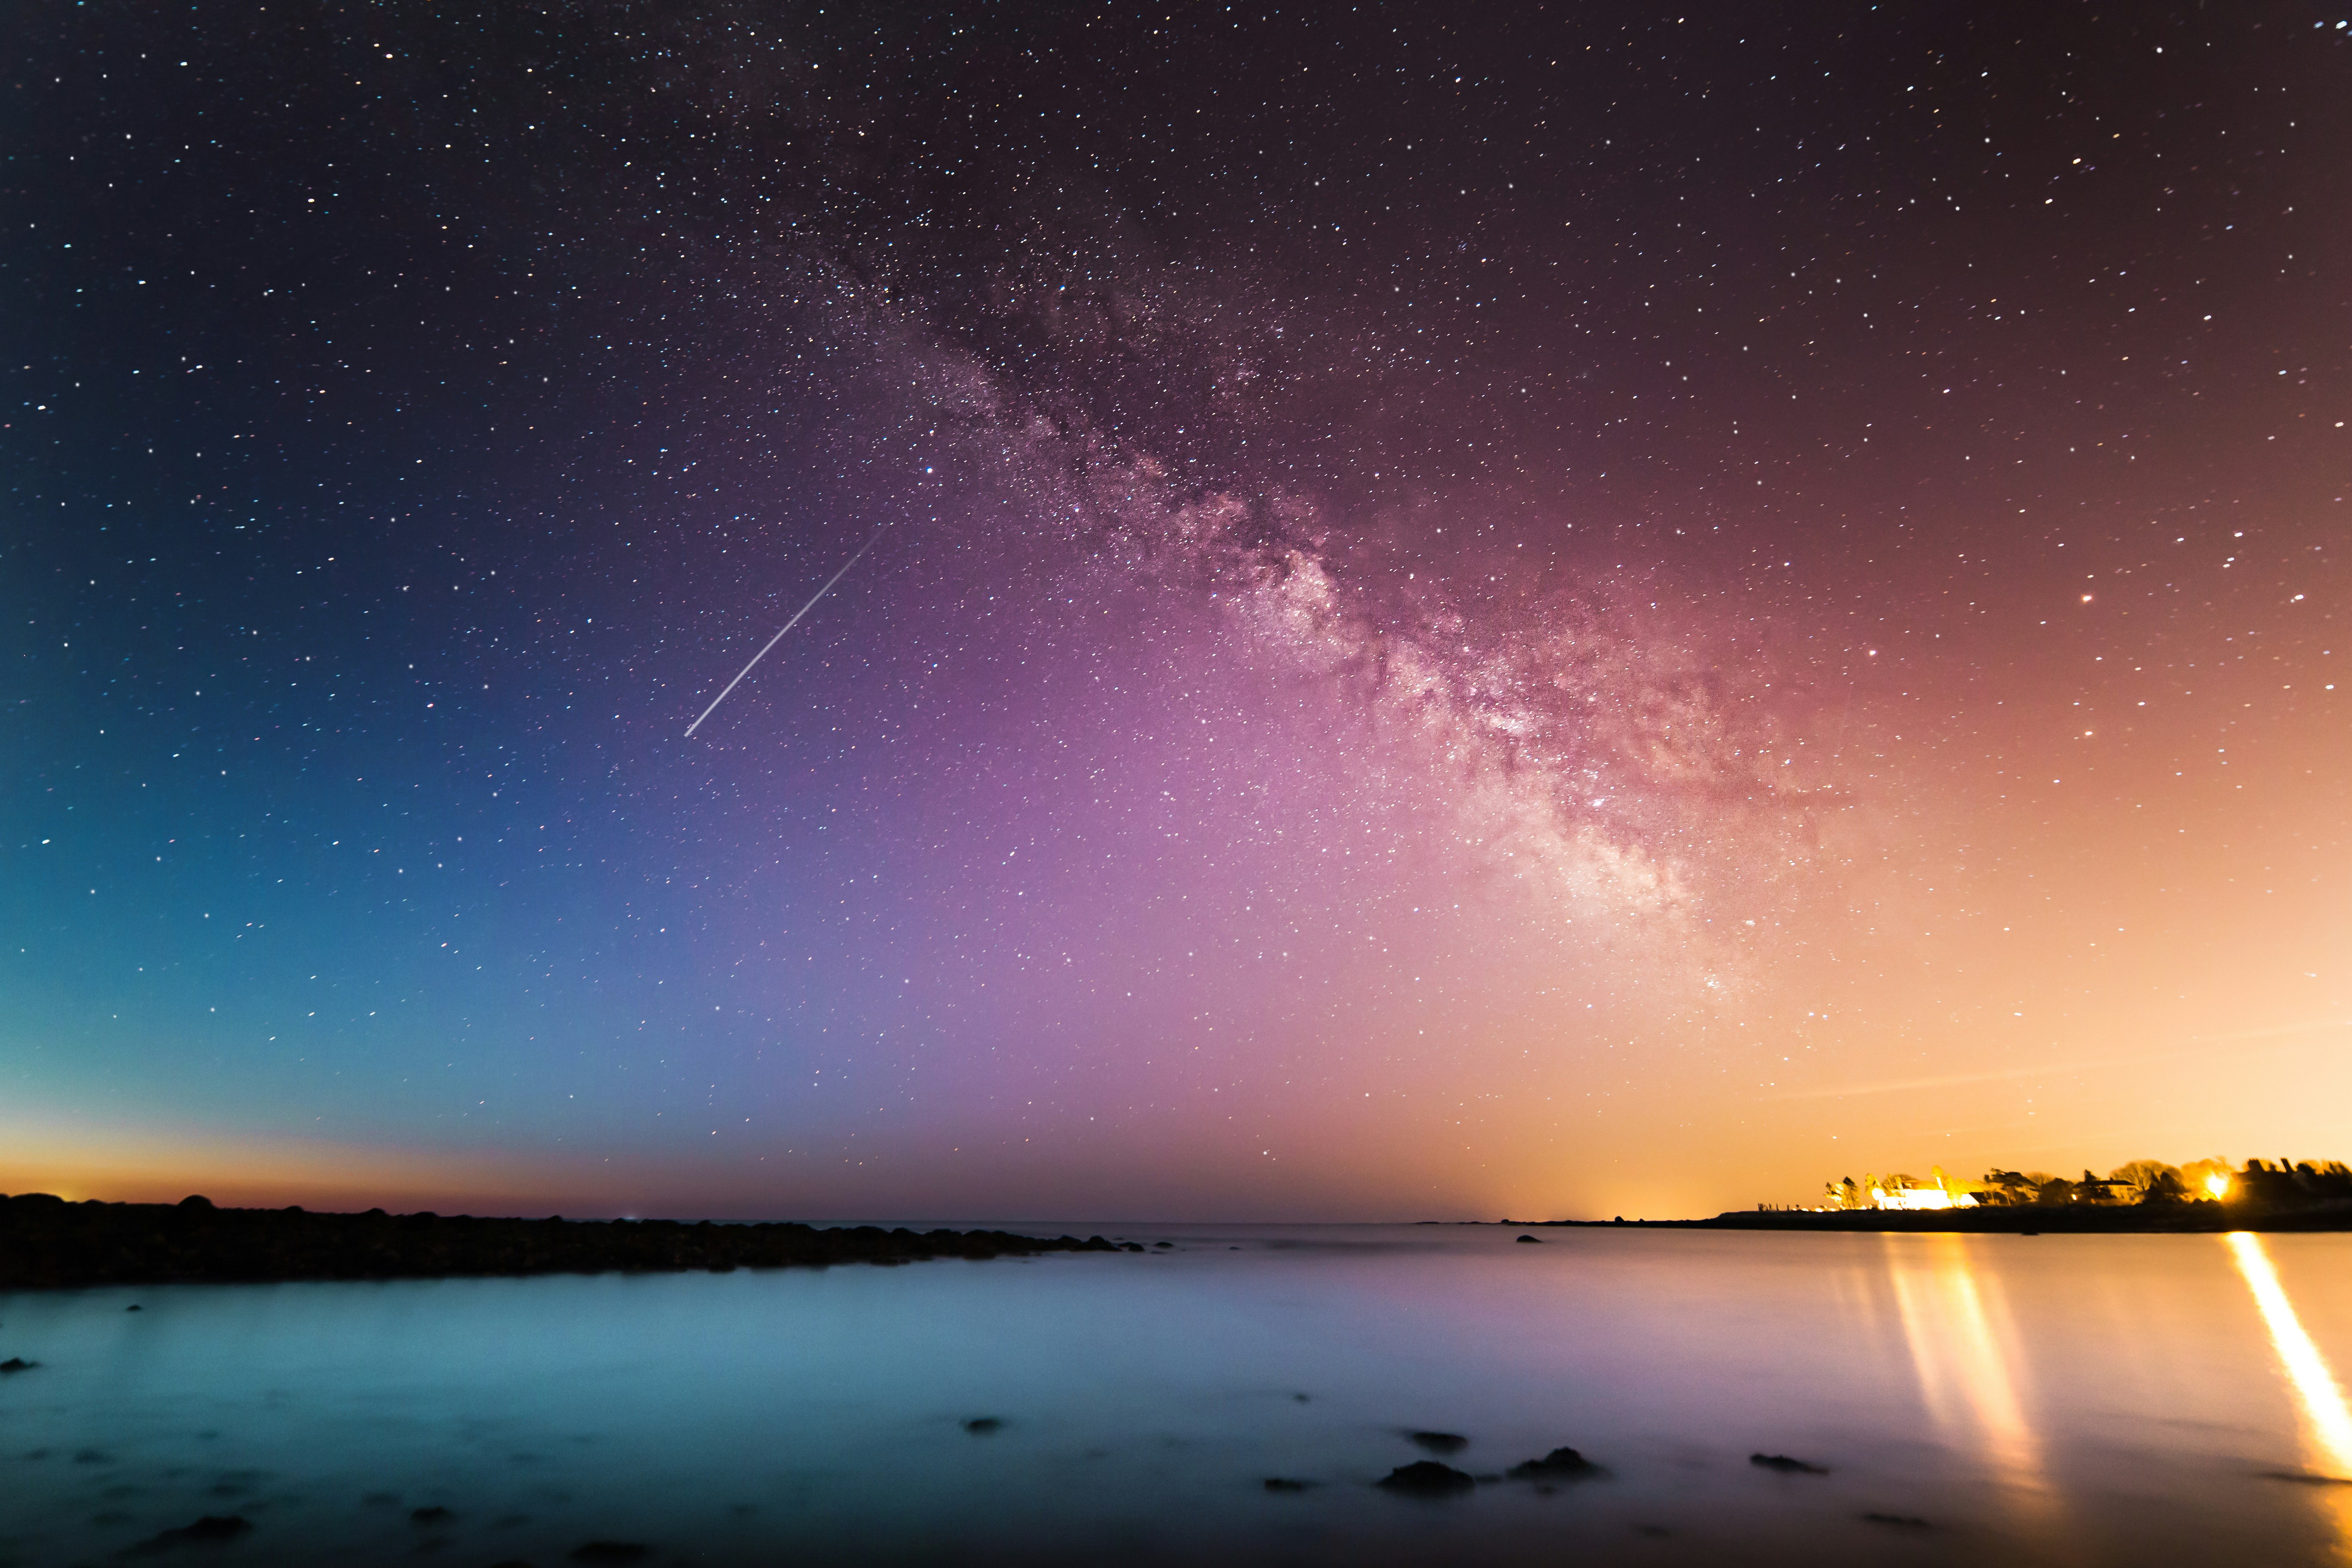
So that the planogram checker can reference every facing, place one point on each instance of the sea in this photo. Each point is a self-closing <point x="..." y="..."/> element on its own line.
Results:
<point x="1938" y="1399"/>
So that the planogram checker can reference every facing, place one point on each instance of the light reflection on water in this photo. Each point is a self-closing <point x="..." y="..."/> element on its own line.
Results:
<point x="1964" y="1349"/>
<point x="2327" y="1424"/>
<point x="1984" y="1399"/>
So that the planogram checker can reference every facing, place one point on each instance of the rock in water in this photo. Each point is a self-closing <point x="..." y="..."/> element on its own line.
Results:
<point x="212" y="1527"/>
<point x="1285" y="1484"/>
<point x="1440" y="1442"/>
<point x="1533" y="1240"/>
<point x="1786" y="1465"/>
<point x="1427" y="1477"/>
<point x="1560" y="1464"/>
<point x="981" y="1425"/>
<point x="17" y="1363"/>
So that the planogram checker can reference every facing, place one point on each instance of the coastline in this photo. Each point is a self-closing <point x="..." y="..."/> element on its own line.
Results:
<point x="47" y="1243"/>
<point x="2135" y="1219"/>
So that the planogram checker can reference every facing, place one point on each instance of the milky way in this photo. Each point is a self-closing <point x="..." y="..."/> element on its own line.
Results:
<point x="1625" y="610"/>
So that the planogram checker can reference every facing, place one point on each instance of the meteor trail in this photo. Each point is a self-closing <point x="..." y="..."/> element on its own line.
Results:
<point x="788" y="625"/>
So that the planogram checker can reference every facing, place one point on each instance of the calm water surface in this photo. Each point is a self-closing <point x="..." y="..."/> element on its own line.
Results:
<point x="1993" y="1399"/>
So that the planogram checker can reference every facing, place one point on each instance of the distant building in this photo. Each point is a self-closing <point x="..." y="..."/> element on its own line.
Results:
<point x="2088" y="1190"/>
<point x="1922" y="1198"/>
<point x="1902" y="1192"/>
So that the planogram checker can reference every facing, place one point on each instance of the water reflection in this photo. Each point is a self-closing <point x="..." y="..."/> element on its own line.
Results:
<point x="2326" y="1423"/>
<point x="1973" y="1400"/>
<point x="1968" y="1370"/>
<point x="1964" y="1372"/>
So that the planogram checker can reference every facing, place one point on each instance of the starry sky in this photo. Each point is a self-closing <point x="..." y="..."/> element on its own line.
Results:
<point x="1549" y="610"/>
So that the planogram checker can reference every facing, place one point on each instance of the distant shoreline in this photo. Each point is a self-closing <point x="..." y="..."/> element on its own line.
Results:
<point x="2135" y="1219"/>
<point x="47" y="1243"/>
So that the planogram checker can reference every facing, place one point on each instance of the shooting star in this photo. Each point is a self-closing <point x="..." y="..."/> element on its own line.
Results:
<point x="788" y="625"/>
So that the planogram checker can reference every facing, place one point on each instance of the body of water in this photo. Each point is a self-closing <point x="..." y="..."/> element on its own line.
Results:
<point x="2018" y="1400"/>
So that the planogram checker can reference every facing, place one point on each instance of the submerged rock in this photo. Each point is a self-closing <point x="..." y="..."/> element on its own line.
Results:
<point x="1786" y="1465"/>
<point x="981" y="1425"/>
<point x="17" y="1363"/>
<point x="1285" y="1484"/>
<point x="1900" y="1521"/>
<point x="1560" y="1464"/>
<point x="1427" y="1477"/>
<point x="212" y="1527"/>
<point x="435" y="1514"/>
<point x="1440" y="1442"/>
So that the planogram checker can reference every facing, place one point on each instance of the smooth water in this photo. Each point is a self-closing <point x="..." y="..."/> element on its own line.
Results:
<point x="2142" y="1400"/>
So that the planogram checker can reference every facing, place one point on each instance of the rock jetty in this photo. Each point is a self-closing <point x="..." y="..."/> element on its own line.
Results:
<point x="48" y="1243"/>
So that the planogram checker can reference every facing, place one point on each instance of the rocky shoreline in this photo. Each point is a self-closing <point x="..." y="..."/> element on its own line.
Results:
<point x="47" y="1243"/>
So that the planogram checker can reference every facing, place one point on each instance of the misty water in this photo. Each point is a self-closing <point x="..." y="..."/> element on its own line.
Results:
<point x="2051" y="1399"/>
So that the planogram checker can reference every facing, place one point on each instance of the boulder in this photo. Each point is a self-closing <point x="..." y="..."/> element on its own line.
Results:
<point x="1560" y="1464"/>
<point x="1427" y="1477"/>
<point x="1439" y="1442"/>
<point x="1786" y="1465"/>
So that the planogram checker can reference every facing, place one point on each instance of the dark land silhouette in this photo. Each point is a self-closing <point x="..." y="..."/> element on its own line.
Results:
<point x="2135" y="1219"/>
<point x="48" y="1243"/>
<point x="2141" y="1195"/>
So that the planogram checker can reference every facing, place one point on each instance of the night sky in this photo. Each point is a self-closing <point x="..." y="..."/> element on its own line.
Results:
<point x="1537" y="610"/>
